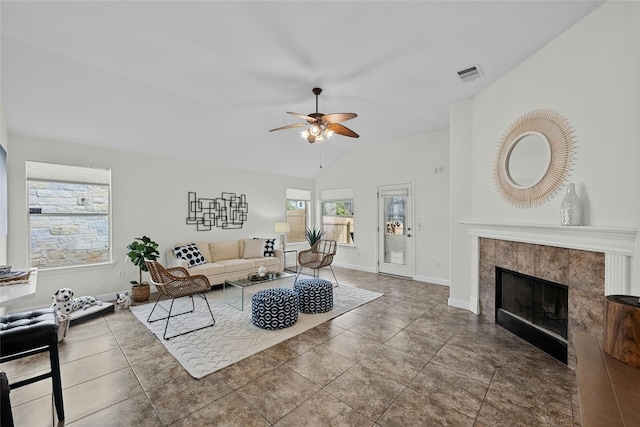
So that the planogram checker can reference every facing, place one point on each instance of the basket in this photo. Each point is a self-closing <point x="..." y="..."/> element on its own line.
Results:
<point x="15" y="277"/>
<point x="140" y="293"/>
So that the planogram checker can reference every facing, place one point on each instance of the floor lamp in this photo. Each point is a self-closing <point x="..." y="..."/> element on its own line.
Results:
<point x="282" y="228"/>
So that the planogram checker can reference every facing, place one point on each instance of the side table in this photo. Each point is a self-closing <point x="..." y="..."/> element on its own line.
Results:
<point x="284" y="253"/>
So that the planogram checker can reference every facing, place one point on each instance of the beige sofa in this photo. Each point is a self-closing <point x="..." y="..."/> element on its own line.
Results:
<point x="228" y="259"/>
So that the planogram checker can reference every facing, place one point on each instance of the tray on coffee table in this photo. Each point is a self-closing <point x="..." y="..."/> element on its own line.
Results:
<point x="234" y="290"/>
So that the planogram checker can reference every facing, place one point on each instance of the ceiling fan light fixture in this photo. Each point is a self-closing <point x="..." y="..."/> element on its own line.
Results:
<point x="322" y="126"/>
<point x="315" y="130"/>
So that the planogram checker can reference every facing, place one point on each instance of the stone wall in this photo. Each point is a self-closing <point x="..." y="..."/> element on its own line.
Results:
<point x="581" y="271"/>
<point x="73" y="228"/>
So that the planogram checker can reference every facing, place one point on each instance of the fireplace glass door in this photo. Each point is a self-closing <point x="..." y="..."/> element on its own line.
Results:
<point x="534" y="309"/>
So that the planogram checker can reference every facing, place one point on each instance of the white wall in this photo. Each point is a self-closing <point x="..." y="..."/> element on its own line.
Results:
<point x="149" y="197"/>
<point x="407" y="160"/>
<point x="461" y="196"/>
<point x="590" y="74"/>
<point x="4" y="142"/>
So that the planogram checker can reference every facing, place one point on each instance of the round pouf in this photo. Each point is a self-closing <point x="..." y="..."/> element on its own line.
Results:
<point x="275" y="308"/>
<point x="314" y="295"/>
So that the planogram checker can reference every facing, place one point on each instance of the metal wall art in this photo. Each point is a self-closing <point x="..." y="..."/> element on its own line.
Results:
<point x="226" y="212"/>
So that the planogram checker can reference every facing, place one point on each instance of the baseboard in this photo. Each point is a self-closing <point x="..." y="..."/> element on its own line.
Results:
<point x="426" y="279"/>
<point x="474" y="305"/>
<point x="459" y="303"/>
<point x="355" y="267"/>
<point x="112" y="297"/>
<point x="434" y="280"/>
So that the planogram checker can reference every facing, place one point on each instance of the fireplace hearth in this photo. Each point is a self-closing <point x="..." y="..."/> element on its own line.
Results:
<point x="534" y="309"/>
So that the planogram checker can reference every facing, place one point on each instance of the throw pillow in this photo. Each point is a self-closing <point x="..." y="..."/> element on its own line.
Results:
<point x="269" y="247"/>
<point x="224" y="249"/>
<point x="253" y="249"/>
<point x="190" y="253"/>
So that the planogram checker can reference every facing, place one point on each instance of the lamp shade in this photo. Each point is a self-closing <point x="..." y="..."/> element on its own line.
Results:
<point x="282" y="227"/>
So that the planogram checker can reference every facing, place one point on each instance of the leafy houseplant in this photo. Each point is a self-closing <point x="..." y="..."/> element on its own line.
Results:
<point x="313" y="235"/>
<point x="140" y="249"/>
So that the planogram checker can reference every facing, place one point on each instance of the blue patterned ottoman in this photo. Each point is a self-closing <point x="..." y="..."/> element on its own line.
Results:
<point x="275" y="308"/>
<point x="314" y="295"/>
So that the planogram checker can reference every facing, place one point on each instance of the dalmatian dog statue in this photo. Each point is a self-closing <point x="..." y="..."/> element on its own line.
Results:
<point x="122" y="300"/>
<point x="65" y="303"/>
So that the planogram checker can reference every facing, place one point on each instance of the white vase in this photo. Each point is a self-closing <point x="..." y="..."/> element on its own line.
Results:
<point x="571" y="209"/>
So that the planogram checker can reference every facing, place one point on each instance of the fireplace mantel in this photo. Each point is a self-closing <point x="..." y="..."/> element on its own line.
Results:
<point x="616" y="240"/>
<point x="617" y="243"/>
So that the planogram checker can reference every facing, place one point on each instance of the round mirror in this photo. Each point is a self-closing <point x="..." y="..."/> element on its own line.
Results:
<point x="528" y="159"/>
<point x="534" y="158"/>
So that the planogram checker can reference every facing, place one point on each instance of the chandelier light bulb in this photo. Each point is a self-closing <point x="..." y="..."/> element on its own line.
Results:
<point x="304" y="134"/>
<point x="314" y="130"/>
<point x="328" y="133"/>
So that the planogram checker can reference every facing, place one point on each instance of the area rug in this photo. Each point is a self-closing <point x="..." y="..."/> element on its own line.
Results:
<point x="234" y="337"/>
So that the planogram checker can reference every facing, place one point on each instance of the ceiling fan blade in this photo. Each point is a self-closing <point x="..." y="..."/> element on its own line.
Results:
<point x="297" y="125"/>
<point x="342" y="130"/>
<point x="338" y="117"/>
<point x="303" y="117"/>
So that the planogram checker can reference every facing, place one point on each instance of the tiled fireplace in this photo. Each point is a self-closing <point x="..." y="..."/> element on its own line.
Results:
<point x="581" y="271"/>
<point x="590" y="261"/>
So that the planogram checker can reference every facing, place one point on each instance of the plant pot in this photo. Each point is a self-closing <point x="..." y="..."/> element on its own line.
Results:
<point x="140" y="293"/>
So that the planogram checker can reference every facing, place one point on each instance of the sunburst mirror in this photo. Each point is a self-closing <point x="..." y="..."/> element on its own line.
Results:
<point x="534" y="158"/>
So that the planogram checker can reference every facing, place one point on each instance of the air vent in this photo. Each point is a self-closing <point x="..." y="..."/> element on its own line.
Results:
<point x="470" y="73"/>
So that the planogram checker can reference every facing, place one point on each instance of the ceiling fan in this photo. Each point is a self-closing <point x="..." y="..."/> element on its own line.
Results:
<point x="322" y="125"/>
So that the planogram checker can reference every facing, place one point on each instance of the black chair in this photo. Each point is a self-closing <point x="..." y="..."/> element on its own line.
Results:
<point x="6" y="416"/>
<point x="29" y="333"/>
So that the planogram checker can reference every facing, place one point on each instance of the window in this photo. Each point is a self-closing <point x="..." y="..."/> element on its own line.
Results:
<point x="298" y="214"/>
<point x="69" y="215"/>
<point x="338" y="219"/>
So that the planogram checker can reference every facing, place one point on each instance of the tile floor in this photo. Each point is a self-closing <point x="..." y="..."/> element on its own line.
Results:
<point x="406" y="359"/>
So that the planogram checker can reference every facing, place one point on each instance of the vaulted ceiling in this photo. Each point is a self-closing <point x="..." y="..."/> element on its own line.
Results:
<point x="205" y="80"/>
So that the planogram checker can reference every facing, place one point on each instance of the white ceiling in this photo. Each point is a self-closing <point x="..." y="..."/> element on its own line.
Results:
<point x="206" y="80"/>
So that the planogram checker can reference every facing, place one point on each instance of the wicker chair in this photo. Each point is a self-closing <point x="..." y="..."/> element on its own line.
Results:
<point x="176" y="283"/>
<point x="320" y="255"/>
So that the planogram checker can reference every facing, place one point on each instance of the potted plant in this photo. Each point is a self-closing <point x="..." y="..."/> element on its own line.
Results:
<point x="140" y="249"/>
<point x="313" y="235"/>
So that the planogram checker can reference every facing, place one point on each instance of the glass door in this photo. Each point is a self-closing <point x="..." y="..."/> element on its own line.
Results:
<point x="395" y="254"/>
